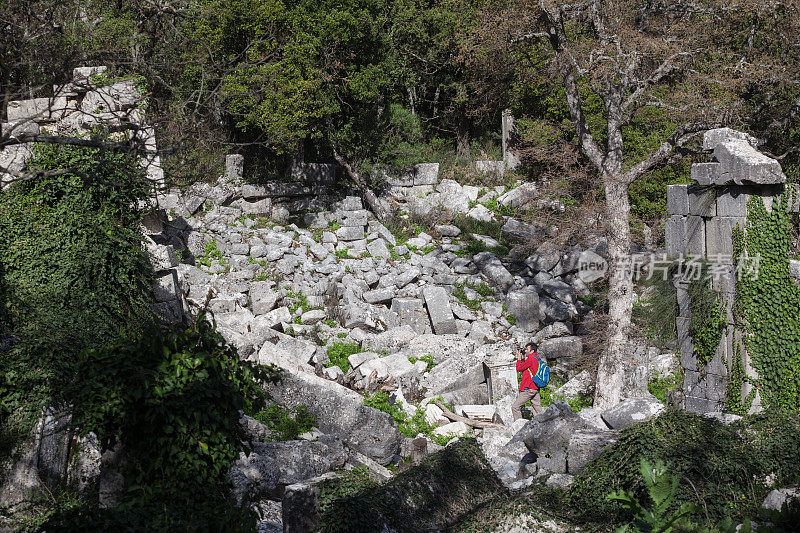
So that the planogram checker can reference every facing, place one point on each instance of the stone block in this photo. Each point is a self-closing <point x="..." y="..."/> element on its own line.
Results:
<point x="350" y="233"/>
<point x="682" y="293"/>
<point x="703" y="173"/>
<point x="712" y="138"/>
<point x="677" y="200"/>
<point x="84" y="73"/>
<point x="695" y="235"/>
<point x="39" y="109"/>
<point x="561" y="349"/>
<point x="426" y="174"/>
<point x="732" y="201"/>
<point x="274" y="189"/>
<point x="300" y="506"/>
<point x="166" y="287"/>
<point x="716" y="387"/>
<point x="524" y="305"/>
<point x="234" y="168"/>
<point x="685" y="344"/>
<point x="723" y="276"/>
<point x="691" y="379"/>
<point x="378" y="248"/>
<point x="702" y="200"/>
<point x="437" y="301"/>
<point x="379" y="296"/>
<point x="350" y="203"/>
<point x="491" y="167"/>
<point x="719" y="235"/>
<point x="404" y="179"/>
<point x="632" y="411"/>
<point x="119" y="96"/>
<point x="675" y="235"/>
<point x="702" y="405"/>
<point x="13" y="158"/>
<point x="741" y="163"/>
<point x="15" y="129"/>
<point x="412" y="314"/>
<point x="449" y="327"/>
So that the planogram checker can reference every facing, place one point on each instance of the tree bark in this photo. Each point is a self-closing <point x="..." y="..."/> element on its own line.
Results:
<point x="381" y="211"/>
<point x="610" y="373"/>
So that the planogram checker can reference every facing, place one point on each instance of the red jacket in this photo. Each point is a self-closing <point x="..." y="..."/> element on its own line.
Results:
<point x="527" y="376"/>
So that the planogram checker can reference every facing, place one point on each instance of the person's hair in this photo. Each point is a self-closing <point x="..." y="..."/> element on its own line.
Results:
<point x="532" y="345"/>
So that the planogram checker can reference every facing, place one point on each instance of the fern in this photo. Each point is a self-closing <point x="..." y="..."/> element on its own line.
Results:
<point x="661" y="487"/>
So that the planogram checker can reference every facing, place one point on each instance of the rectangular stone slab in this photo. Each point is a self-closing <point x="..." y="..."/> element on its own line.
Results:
<point x="695" y="235"/>
<point x="675" y="235"/>
<point x="702" y="200"/>
<point x="677" y="200"/>
<point x="719" y="235"/>
<point x="741" y="163"/>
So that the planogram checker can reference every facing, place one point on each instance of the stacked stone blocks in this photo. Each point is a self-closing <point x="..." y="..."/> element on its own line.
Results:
<point x="77" y="109"/>
<point x="702" y="219"/>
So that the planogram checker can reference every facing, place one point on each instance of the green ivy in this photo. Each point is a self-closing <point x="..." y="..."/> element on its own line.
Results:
<point x="659" y="386"/>
<point x="736" y="378"/>
<point x="708" y="319"/>
<point x="767" y="304"/>
<point x="73" y="274"/>
<point x="408" y="425"/>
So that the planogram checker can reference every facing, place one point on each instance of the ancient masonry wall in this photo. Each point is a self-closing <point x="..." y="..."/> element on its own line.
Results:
<point x="77" y="109"/>
<point x="702" y="217"/>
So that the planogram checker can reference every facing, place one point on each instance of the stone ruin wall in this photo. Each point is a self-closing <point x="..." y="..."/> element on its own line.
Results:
<point x="702" y="217"/>
<point x="77" y="109"/>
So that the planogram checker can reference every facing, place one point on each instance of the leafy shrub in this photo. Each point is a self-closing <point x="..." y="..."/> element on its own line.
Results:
<point x="212" y="253"/>
<point x="661" y="485"/>
<point x="338" y="352"/>
<point x="173" y="401"/>
<point x="408" y="425"/>
<point x="73" y="274"/>
<point x="427" y="358"/>
<point x="380" y="401"/>
<point x="288" y="424"/>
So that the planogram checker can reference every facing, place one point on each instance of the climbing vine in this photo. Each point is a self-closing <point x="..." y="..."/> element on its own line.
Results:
<point x="736" y="379"/>
<point x="708" y="319"/>
<point x="767" y="304"/>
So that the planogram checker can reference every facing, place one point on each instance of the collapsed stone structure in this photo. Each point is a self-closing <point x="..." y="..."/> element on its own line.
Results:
<point x="702" y="218"/>
<point x="77" y="109"/>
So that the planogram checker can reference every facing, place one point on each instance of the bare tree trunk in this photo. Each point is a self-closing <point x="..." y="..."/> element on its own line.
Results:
<point x="610" y="374"/>
<point x="462" y="145"/>
<point x="380" y="210"/>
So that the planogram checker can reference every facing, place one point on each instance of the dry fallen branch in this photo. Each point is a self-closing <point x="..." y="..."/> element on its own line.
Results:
<point x="468" y="421"/>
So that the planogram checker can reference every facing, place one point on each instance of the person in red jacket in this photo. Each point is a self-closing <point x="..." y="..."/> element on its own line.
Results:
<point x="528" y="364"/>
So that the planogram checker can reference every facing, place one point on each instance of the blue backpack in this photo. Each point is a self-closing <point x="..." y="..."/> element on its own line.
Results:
<point x="542" y="376"/>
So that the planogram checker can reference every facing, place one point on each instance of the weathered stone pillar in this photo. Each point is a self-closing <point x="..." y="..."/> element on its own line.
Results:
<point x="510" y="158"/>
<point x="702" y="218"/>
<point x="501" y="377"/>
